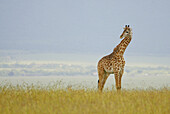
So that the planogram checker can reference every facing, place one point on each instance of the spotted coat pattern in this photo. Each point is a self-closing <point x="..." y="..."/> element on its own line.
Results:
<point x="114" y="63"/>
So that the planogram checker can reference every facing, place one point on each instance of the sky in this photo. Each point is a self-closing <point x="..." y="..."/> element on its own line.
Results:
<point x="84" y="26"/>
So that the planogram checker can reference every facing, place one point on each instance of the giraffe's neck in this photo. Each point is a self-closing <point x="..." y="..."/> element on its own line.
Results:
<point x="121" y="47"/>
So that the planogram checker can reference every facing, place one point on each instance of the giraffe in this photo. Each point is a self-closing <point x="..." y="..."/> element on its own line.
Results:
<point x="114" y="63"/>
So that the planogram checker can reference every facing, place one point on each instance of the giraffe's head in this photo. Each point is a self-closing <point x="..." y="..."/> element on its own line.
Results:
<point x="127" y="32"/>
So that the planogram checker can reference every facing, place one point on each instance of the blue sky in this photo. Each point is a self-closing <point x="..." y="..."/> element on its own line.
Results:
<point x="84" y="26"/>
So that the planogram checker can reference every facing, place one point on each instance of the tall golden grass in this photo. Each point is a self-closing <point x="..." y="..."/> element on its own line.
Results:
<point x="31" y="100"/>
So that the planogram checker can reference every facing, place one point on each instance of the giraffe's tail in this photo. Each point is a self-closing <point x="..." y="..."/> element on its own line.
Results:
<point x="98" y="84"/>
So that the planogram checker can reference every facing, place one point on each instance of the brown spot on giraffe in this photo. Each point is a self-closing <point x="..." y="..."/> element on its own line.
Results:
<point x="114" y="63"/>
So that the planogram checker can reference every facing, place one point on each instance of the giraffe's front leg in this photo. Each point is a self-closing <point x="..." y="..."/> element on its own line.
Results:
<point x="118" y="80"/>
<point x="120" y="77"/>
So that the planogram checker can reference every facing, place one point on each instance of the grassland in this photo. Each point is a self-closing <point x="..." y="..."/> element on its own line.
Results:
<point x="30" y="100"/>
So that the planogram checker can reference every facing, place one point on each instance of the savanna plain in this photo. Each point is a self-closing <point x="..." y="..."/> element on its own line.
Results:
<point x="53" y="99"/>
<point x="31" y="98"/>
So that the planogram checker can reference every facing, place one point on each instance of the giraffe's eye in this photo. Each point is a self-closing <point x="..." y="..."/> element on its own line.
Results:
<point x="127" y="32"/>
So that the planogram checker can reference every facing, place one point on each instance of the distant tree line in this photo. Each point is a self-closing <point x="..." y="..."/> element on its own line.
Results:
<point x="50" y="69"/>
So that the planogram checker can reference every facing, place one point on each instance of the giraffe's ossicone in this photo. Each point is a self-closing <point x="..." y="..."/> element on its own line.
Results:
<point x="114" y="63"/>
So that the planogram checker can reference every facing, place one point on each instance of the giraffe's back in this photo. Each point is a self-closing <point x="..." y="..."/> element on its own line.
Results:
<point x="110" y="63"/>
<point x="107" y="64"/>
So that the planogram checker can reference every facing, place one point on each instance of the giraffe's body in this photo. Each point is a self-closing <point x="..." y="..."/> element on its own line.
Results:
<point x="114" y="63"/>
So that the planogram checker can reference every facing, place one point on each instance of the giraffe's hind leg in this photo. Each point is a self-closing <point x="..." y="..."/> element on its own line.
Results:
<point x="100" y="74"/>
<point x="102" y="79"/>
<point x="106" y="75"/>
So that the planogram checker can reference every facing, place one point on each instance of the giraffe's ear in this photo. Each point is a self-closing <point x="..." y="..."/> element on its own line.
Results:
<point x="125" y="25"/>
<point x="128" y="25"/>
